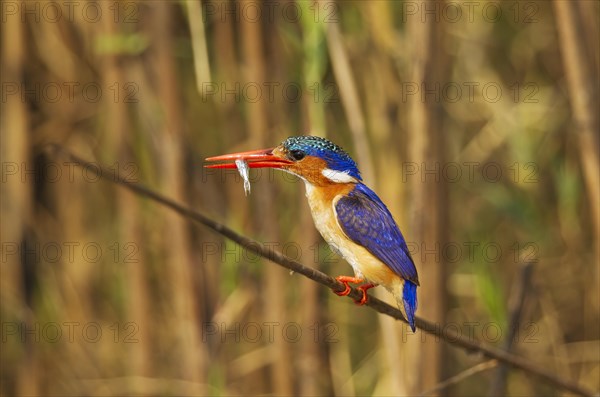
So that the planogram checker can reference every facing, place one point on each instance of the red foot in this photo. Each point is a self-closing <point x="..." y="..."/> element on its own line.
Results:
<point x="345" y="280"/>
<point x="365" y="297"/>
<point x="354" y="280"/>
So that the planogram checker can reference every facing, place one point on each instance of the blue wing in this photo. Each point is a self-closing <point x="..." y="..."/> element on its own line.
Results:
<point x="368" y="222"/>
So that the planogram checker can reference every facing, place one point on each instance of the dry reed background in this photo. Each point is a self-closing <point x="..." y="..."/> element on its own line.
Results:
<point x="476" y="122"/>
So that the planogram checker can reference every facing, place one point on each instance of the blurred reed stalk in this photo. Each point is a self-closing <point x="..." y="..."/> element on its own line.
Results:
<point x="429" y="212"/>
<point x="170" y="162"/>
<point x="498" y="386"/>
<point x="17" y="206"/>
<point x="274" y="298"/>
<point x="119" y="139"/>
<point x="581" y="69"/>
<point x="312" y="354"/>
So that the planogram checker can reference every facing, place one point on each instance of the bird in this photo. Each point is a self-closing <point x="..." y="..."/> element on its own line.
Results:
<point x="350" y="217"/>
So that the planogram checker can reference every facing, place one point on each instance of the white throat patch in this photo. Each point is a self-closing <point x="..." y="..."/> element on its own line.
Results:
<point x="338" y="176"/>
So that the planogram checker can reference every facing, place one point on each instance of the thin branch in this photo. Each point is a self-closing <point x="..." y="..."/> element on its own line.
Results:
<point x="451" y="336"/>
<point x="462" y="376"/>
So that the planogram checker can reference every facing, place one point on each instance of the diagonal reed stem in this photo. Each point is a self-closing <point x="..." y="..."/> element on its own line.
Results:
<point x="451" y="336"/>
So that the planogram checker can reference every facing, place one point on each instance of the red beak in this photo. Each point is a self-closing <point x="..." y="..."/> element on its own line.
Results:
<point x="263" y="158"/>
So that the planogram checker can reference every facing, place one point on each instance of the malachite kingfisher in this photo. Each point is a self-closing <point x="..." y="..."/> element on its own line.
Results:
<point x="349" y="215"/>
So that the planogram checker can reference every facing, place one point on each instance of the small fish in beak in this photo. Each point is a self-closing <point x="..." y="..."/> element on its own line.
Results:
<point x="243" y="161"/>
<point x="243" y="169"/>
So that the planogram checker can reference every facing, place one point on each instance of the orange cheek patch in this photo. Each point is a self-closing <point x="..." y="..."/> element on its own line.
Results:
<point x="310" y="168"/>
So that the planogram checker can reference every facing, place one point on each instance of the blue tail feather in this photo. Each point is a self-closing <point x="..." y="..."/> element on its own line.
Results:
<point x="409" y="298"/>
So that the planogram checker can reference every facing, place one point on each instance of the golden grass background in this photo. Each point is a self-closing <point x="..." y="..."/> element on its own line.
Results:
<point x="476" y="123"/>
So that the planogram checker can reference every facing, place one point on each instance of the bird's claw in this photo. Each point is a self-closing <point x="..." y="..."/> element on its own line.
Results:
<point x="345" y="280"/>
<point x="344" y="292"/>
<point x="355" y="280"/>
<point x="365" y="297"/>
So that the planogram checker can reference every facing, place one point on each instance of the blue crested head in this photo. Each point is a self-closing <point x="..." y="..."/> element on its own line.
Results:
<point x="335" y="157"/>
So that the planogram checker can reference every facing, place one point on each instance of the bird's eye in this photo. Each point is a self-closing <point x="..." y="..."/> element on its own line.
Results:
<point x="297" y="155"/>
